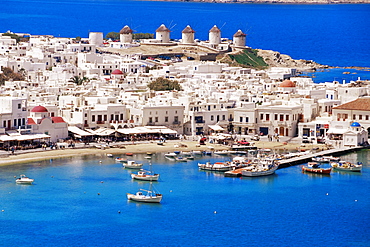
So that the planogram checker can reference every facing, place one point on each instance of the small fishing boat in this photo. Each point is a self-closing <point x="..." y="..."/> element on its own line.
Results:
<point x="320" y="159"/>
<point x="181" y="159"/>
<point x="131" y="164"/>
<point x="217" y="166"/>
<point x="145" y="176"/>
<point x="313" y="167"/>
<point x="122" y="160"/>
<point x="259" y="168"/>
<point x="151" y="196"/>
<point x="221" y="152"/>
<point x="23" y="179"/>
<point x="110" y="155"/>
<point x="129" y="154"/>
<point x="346" y="166"/>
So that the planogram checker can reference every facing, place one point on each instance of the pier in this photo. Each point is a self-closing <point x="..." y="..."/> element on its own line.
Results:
<point x="302" y="159"/>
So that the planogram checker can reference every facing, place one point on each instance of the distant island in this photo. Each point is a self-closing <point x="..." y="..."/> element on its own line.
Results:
<point x="276" y="1"/>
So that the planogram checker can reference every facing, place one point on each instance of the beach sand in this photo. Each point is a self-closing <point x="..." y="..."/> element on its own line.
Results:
<point x="151" y="147"/>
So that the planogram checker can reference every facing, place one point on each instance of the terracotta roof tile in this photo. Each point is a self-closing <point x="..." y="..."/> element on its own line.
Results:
<point x="362" y="104"/>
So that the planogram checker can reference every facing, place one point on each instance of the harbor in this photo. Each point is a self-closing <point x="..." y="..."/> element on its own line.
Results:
<point x="302" y="159"/>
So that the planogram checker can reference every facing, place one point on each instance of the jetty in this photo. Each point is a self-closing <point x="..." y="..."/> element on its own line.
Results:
<point x="302" y="159"/>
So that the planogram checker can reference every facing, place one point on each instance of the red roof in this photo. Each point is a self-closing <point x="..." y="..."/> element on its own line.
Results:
<point x="117" y="72"/>
<point x="287" y="83"/>
<point x="39" y="109"/>
<point x="57" y="120"/>
<point x="30" y="121"/>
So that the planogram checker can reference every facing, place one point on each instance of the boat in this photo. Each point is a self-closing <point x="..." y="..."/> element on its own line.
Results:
<point x="131" y="164"/>
<point x="332" y="158"/>
<point x="197" y="152"/>
<point x="129" y="154"/>
<point x="122" y="160"/>
<point x="221" y="152"/>
<point x="217" y="166"/>
<point x="145" y="176"/>
<point x="181" y="159"/>
<point x="151" y="196"/>
<point x="110" y="155"/>
<point x="321" y="159"/>
<point x="346" y="166"/>
<point x="260" y="167"/>
<point x="170" y="154"/>
<point x="314" y="167"/>
<point x="23" y="179"/>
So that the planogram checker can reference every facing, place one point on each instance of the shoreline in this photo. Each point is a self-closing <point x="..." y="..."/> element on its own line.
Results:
<point x="140" y="148"/>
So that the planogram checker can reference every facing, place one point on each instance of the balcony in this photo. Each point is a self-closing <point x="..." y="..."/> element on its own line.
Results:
<point x="176" y="122"/>
<point x="100" y="122"/>
<point x="200" y="121"/>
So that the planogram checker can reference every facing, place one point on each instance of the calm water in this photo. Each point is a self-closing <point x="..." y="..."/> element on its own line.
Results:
<point x="76" y="202"/>
<point x="336" y="35"/>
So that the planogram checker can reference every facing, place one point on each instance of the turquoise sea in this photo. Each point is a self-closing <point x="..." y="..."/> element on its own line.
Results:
<point x="81" y="201"/>
<point x="331" y="34"/>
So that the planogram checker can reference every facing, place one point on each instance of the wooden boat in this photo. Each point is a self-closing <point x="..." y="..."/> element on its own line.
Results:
<point x="129" y="154"/>
<point x="131" y="164"/>
<point x="346" y="166"/>
<point x="122" y="160"/>
<point x="218" y="166"/>
<point x="317" y="170"/>
<point x="259" y="168"/>
<point x="151" y="196"/>
<point x="145" y="176"/>
<point x="23" y="179"/>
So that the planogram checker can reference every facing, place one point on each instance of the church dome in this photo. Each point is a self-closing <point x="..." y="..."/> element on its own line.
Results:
<point x="287" y="83"/>
<point x="39" y="109"/>
<point x="355" y="124"/>
<point x="117" y="72"/>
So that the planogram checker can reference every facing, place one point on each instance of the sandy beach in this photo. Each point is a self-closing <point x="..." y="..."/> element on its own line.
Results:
<point x="152" y="147"/>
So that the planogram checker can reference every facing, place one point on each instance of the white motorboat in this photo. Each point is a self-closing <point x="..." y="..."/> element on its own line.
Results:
<point x="150" y="196"/>
<point x="181" y="159"/>
<point x="218" y="166"/>
<point x="260" y="168"/>
<point x="23" y="179"/>
<point x="170" y="155"/>
<point x="131" y="164"/>
<point x="346" y="166"/>
<point x="221" y="152"/>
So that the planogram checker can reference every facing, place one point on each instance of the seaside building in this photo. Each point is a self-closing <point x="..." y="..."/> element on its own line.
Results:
<point x="41" y="123"/>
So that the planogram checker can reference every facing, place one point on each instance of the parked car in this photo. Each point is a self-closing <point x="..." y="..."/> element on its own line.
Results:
<point x="243" y="142"/>
<point x="255" y="138"/>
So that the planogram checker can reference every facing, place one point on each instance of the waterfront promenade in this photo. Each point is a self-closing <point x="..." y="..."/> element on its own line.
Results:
<point x="32" y="155"/>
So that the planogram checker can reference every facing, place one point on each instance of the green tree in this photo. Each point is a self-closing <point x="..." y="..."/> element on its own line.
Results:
<point x="112" y="35"/>
<point x="143" y="36"/>
<point x="78" y="80"/>
<point x="163" y="84"/>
